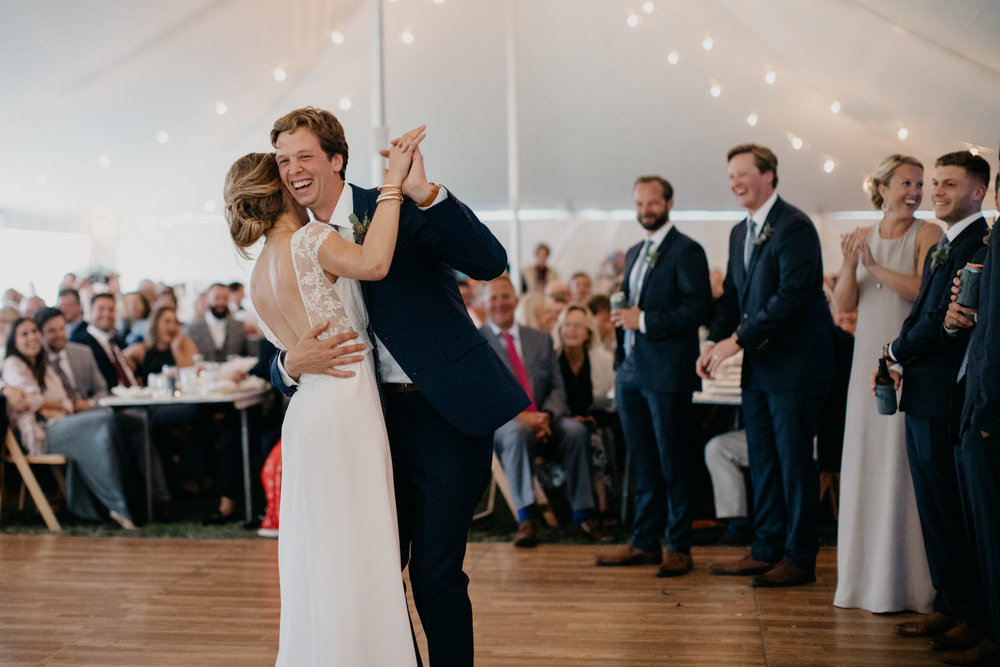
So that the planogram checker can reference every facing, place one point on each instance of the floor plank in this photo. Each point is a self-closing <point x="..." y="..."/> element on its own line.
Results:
<point x="125" y="601"/>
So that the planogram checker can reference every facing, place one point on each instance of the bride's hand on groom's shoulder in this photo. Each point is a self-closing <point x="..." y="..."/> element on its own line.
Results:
<point x="323" y="357"/>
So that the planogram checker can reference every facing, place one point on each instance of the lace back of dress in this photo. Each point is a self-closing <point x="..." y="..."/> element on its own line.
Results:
<point x="318" y="294"/>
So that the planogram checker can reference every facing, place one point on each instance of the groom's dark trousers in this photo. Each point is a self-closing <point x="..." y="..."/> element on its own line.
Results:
<point x="441" y="427"/>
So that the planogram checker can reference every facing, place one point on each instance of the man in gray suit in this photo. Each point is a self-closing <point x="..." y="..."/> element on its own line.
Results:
<point x="544" y="425"/>
<point x="220" y="334"/>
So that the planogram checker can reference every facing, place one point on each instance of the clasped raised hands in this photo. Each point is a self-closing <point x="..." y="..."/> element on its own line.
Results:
<point x="413" y="179"/>
<point x="401" y="154"/>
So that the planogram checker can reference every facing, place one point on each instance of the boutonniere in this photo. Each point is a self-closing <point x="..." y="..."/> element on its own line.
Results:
<point x="652" y="258"/>
<point x="989" y="234"/>
<point x="359" y="227"/>
<point x="765" y="234"/>
<point x="940" y="255"/>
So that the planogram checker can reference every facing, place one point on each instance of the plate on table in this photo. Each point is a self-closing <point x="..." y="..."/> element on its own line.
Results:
<point x="132" y="392"/>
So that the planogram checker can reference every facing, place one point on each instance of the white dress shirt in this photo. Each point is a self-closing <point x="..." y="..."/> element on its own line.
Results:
<point x="640" y="265"/>
<point x="216" y="329"/>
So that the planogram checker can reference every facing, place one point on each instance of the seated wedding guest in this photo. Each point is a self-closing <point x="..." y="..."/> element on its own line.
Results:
<point x="100" y="337"/>
<point x="581" y="287"/>
<point x="588" y="376"/>
<point x="726" y="459"/>
<point x="165" y="345"/>
<point x="147" y="288"/>
<point x="8" y="315"/>
<point x="220" y="335"/>
<point x="545" y="427"/>
<point x="53" y="425"/>
<point x="31" y="305"/>
<point x="132" y="327"/>
<point x="600" y="306"/>
<point x="717" y="278"/>
<point x="78" y="371"/>
<point x="68" y="302"/>
<point x="468" y="292"/>
<point x="165" y="296"/>
<point x="240" y="312"/>
<point x="534" y="278"/>
<point x="559" y="292"/>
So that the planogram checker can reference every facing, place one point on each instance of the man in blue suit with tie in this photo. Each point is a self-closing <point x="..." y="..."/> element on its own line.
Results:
<point x="445" y="390"/>
<point x="669" y="295"/>
<point x="773" y="308"/>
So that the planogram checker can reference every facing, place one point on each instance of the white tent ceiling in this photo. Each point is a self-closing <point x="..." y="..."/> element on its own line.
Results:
<point x="598" y="101"/>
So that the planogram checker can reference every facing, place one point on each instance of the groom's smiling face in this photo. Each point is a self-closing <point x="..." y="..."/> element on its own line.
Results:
<point x="310" y="176"/>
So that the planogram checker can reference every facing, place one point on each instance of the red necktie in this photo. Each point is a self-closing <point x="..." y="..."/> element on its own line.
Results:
<point x="123" y="378"/>
<point x="522" y="375"/>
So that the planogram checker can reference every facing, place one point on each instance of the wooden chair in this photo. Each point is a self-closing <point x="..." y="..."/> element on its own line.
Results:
<point x="12" y="453"/>
<point x="499" y="481"/>
<point x="829" y="486"/>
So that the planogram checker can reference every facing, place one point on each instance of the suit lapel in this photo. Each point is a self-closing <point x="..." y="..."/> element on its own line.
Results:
<point x="630" y="258"/>
<point x="658" y="252"/>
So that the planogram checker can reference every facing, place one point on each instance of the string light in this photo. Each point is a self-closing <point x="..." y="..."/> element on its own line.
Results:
<point x="770" y="77"/>
<point x="337" y="37"/>
<point x="104" y="160"/>
<point x="903" y="133"/>
<point x="210" y="206"/>
<point x="407" y="37"/>
<point x="162" y="136"/>
<point x="715" y="90"/>
<point x="829" y="165"/>
<point x="279" y="74"/>
<point x="752" y="119"/>
<point x="632" y="21"/>
<point x="647" y="7"/>
<point x="707" y="43"/>
<point x="345" y="103"/>
<point x="221" y="108"/>
<point x="796" y="142"/>
<point x="673" y="58"/>
<point x="835" y="107"/>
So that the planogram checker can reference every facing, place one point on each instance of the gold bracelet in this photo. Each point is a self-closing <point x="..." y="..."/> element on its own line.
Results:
<point x="435" y="189"/>
<point x="389" y="186"/>
<point x="388" y="197"/>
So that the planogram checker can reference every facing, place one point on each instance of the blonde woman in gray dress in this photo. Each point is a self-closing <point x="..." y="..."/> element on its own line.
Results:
<point x="881" y="563"/>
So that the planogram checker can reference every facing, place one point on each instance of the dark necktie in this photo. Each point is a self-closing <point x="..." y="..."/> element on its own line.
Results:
<point x="67" y="385"/>
<point x="519" y="372"/>
<point x="123" y="376"/>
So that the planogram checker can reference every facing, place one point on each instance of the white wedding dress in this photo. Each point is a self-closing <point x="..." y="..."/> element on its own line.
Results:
<point x="342" y="595"/>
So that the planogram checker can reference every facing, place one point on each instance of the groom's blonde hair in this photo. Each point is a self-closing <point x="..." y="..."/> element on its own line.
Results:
<point x="320" y="122"/>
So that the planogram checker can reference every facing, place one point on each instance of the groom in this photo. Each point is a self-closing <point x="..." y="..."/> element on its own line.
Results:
<point x="445" y="391"/>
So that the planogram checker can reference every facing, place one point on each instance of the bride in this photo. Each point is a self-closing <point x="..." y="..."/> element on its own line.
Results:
<point x="342" y="599"/>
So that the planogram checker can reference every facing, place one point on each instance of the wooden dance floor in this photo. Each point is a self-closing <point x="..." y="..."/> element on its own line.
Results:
<point x="126" y="601"/>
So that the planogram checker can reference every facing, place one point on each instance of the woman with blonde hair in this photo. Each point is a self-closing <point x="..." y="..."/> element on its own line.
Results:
<point x="881" y="562"/>
<point x="342" y="601"/>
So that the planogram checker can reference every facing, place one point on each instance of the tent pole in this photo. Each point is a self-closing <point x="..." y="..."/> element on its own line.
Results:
<point x="380" y="133"/>
<point x="513" y="155"/>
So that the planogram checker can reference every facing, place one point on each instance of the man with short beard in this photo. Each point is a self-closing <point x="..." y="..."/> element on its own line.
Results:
<point x="219" y="335"/>
<point x="669" y="296"/>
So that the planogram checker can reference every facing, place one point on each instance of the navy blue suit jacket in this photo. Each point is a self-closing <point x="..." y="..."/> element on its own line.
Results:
<point x="418" y="314"/>
<point x="776" y="304"/>
<point x="982" y="385"/>
<point x="929" y="359"/>
<point x="676" y="297"/>
<point x="104" y="364"/>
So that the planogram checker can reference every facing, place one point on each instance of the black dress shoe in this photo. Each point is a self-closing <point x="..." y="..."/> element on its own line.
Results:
<point x="218" y="518"/>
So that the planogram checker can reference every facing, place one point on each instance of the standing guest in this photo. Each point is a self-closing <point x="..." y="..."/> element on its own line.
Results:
<point x="68" y="302"/>
<point x="669" y="297"/>
<point x="220" y="335"/>
<point x="773" y="308"/>
<point x="545" y="425"/>
<point x="978" y="454"/>
<point x="581" y="287"/>
<point x="132" y="327"/>
<point x="588" y="376"/>
<point x="534" y="278"/>
<point x="929" y="362"/>
<point x="52" y="425"/>
<point x="559" y="291"/>
<point x="8" y="315"/>
<point x="881" y="563"/>
<point x="600" y="306"/>
<point x="100" y="337"/>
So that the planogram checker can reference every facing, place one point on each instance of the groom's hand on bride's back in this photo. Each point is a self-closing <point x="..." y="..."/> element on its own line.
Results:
<point x="323" y="357"/>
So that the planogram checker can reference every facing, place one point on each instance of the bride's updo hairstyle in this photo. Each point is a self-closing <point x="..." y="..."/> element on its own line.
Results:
<point x="883" y="174"/>
<point x="253" y="198"/>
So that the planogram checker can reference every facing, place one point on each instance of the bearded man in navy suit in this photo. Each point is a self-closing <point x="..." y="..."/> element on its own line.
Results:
<point x="669" y="295"/>
<point x="773" y="308"/>
<point x="445" y="390"/>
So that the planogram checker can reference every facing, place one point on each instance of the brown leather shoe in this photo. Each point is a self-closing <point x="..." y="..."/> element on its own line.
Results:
<point x="961" y="637"/>
<point x="593" y="530"/>
<point x="931" y="625"/>
<point x="527" y="534"/>
<point x="782" y="575"/>
<point x="741" y="568"/>
<point x="983" y="653"/>
<point x="674" y="564"/>
<point x="628" y="555"/>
